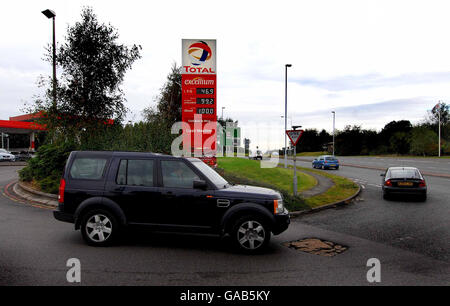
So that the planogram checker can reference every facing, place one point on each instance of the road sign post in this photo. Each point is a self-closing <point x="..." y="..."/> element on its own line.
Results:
<point x="294" y="136"/>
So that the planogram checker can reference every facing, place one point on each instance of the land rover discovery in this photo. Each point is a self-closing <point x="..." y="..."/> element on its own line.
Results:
<point x="104" y="192"/>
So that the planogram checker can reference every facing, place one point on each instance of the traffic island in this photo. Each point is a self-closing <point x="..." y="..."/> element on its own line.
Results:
<point x="328" y="191"/>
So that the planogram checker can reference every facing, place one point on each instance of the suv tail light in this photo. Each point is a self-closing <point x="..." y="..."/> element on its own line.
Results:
<point x="62" y="186"/>
<point x="422" y="183"/>
<point x="388" y="183"/>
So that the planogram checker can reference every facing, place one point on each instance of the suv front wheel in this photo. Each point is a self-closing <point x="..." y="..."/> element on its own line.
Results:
<point x="250" y="234"/>
<point x="99" y="227"/>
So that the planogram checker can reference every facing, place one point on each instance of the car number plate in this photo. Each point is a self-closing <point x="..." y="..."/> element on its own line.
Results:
<point x="405" y="184"/>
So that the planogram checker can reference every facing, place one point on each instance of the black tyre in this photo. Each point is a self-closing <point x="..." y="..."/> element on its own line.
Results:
<point x="250" y="234"/>
<point x="99" y="227"/>
<point x="385" y="196"/>
<point x="423" y="198"/>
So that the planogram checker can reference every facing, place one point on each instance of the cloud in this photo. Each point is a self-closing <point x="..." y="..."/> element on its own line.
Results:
<point x="374" y="80"/>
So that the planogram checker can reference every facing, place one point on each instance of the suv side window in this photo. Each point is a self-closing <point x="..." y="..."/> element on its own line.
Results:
<point x="90" y="168"/>
<point x="135" y="172"/>
<point x="177" y="174"/>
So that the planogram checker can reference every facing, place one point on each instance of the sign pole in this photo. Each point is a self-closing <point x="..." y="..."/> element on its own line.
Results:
<point x="294" y="135"/>
<point x="295" y="170"/>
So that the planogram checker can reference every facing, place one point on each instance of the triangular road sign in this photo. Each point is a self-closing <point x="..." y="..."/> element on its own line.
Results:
<point x="294" y="136"/>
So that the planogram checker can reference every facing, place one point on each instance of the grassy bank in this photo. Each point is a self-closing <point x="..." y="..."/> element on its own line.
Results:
<point x="249" y="172"/>
<point x="342" y="189"/>
<point x="279" y="177"/>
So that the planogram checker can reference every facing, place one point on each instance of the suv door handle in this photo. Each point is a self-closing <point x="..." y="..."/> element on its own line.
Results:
<point x="119" y="189"/>
<point x="169" y="194"/>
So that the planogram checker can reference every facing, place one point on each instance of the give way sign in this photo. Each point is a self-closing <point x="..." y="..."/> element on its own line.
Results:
<point x="294" y="136"/>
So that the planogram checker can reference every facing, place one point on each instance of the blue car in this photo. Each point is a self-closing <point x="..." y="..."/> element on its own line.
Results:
<point x="325" y="162"/>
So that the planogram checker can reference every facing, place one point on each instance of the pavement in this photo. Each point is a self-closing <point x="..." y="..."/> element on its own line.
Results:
<point x="323" y="184"/>
<point x="34" y="247"/>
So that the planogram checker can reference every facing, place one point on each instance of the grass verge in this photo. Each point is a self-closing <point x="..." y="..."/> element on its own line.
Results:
<point x="249" y="172"/>
<point x="343" y="188"/>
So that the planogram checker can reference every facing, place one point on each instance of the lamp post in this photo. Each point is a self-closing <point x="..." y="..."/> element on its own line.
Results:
<point x="223" y="107"/>
<point x="51" y="14"/>
<point x="285" y="113"/>
<point x="334" y="115"/>
<point x="439" y="129"/>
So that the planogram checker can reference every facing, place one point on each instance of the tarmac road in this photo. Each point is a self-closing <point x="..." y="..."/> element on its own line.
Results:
<point x="34" y="249"/>
<point x="422" y="227"/>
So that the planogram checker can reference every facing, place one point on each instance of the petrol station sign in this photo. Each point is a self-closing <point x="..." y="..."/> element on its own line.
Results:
<point x="199" y="103"/>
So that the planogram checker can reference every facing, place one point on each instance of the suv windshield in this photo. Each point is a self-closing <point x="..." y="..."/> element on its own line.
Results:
<point x="212" y="175"/>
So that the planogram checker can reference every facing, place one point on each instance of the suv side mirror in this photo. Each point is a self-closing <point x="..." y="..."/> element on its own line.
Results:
<point x="200" y="185"/>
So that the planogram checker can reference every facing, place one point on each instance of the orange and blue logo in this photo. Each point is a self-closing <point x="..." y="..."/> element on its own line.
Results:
<point x="199" y="52"/>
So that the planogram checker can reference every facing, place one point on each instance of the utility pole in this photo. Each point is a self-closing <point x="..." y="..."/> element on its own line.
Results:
<point x="439" y="128"/>
<point x="285" y="114"/>
<point x="334" y="114"/>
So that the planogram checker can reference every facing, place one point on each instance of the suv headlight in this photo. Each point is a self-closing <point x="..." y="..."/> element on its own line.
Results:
<point x="278" y="207"/>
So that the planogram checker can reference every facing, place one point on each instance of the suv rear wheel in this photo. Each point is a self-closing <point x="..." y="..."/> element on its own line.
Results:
<point x="250" y="233"/>
<point x="99" y="227"/>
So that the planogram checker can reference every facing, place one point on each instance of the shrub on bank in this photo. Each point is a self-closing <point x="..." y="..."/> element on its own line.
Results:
<point x="46" y="168"/>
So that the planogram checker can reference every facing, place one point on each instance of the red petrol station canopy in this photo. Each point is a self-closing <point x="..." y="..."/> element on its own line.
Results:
<point x="23" y="125"/>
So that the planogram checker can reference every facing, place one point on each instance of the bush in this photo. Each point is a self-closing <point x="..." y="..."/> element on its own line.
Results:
<point x="50" y="184"/>
<point x="47" y="167"/>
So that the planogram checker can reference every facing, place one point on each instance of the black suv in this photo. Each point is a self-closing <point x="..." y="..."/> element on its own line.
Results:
<point x="103" y="192"/>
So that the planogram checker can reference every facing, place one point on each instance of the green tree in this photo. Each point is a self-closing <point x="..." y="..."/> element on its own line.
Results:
<point x="400" y="142"/>
<point x="395" y="136"/>
<point x="424" y="141"/>
<point x="440" y="109"/>
<point x="93" y="65"/>
<point x="168" y="103"/>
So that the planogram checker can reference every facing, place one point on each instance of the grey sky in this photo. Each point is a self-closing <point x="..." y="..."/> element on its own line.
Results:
<point x="371" y="61"/>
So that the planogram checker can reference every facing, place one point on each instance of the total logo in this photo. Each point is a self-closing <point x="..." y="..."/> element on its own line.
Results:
<point x="199" y="81"/>
<point x="199" y="52"/>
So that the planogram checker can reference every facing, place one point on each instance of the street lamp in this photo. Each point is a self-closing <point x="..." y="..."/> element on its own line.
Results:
<point x="334" y="115"/>
<point x="51" y="14"/>
<point x="285" y="112"/>
<point x="223" y="107"/>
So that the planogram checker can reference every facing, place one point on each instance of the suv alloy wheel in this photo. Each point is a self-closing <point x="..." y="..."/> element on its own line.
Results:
<point x="99" y="227"/>
<point x="250" y="234"/>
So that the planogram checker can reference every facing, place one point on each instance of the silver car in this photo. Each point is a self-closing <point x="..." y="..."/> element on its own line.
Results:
<point x="6" y="156"/>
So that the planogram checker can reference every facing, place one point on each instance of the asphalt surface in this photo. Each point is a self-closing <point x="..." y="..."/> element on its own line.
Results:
<point x="431" y="165"/>
<point x="34" y="249"/>
<point x="422" y="227"/>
